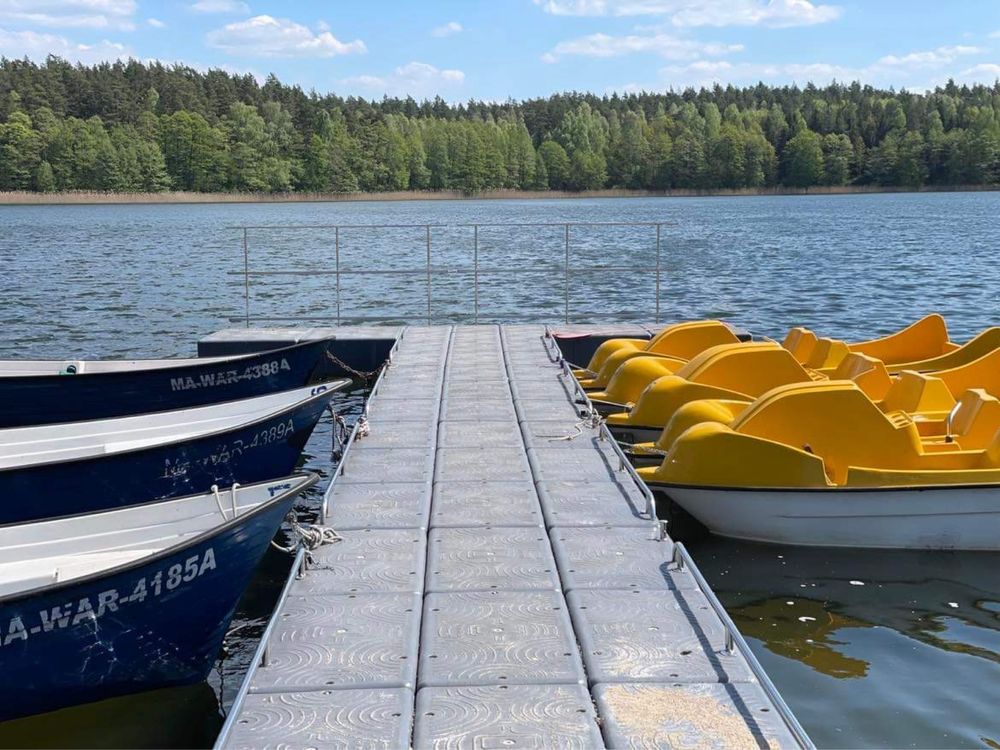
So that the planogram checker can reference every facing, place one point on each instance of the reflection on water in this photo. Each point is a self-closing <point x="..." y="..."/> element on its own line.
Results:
<point x="192" y="716"/>
<point x="871" y="648"/>
<point x="174" y="717"/>
<point x="804" y="630"/>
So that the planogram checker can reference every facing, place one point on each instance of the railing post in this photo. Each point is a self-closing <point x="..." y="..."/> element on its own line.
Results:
<point x="428" y="274"/>
<point x="336" y="243"/>
<point x="566" y="278"/>
<point x="246" y="276"/>
<point x="658" y="225"/>
<point x="475" y="271"/>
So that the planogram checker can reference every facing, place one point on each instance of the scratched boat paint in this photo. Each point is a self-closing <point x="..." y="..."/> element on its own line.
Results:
<point x="52" y="398"/>
<point x="130" y="620"/>
<point x="111" y="475"/>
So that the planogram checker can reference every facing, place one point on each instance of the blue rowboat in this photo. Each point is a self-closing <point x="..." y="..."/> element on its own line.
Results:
<point x="49" y="392"/>
<point x="84" y="467"/>
<point x="133" y="599"/>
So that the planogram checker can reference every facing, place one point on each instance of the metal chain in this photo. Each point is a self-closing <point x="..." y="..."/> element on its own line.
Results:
<point x="359" y="374"/>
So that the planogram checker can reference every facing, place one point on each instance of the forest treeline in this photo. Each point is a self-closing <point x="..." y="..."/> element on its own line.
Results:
<point x="130" y="126"/>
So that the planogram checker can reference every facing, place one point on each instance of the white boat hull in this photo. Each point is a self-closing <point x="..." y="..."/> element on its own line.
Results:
<point x="955" y="518"/>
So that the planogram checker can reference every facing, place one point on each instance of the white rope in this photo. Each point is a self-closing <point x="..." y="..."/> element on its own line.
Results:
<point x="312" y="536"/>
<point x="593" y="420"/>
<point x="218" y="501"/>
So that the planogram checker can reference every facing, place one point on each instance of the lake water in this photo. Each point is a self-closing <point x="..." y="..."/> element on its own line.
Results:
<point x="869" y="649"/>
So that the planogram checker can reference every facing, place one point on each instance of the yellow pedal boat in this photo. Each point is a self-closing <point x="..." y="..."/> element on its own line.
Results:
<point x="676" y="343"/>
<point x="927" y="338"/>
<point x="737" y="375"/>
<point x="821" y="464"/>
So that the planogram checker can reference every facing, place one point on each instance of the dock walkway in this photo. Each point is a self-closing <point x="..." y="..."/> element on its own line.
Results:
<point x="500" y="583"/>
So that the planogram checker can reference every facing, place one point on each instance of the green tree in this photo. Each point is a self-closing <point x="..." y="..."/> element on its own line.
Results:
<point x="20" y="152"/>
<point x="802" y="160"/>
<point x="688" y="164"/>
<point x="837" y="155"/>
<point x="556" y="163"/>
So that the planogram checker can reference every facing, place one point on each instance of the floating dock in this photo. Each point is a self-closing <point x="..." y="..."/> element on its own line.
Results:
<point x="502" y="581"/>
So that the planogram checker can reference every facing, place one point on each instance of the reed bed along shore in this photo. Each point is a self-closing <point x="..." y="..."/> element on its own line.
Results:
<point x="94" y="197"/>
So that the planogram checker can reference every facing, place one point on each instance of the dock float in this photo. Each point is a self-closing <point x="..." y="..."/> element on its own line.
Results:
<point x="502" y="581"/>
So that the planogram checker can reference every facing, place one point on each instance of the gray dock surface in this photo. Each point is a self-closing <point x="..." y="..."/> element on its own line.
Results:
<point x="500" y="583"/>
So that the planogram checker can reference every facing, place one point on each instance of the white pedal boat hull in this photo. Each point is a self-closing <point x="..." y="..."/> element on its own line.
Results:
<point x="952" y="518"/>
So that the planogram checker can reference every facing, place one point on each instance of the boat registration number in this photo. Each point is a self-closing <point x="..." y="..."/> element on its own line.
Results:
<point x="89" y="609"/>
<point x="229" y="377"/>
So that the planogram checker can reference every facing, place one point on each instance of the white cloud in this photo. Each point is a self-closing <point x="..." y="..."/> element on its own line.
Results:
<point x="265" y="36"/>
<point x="220" y="6"/>
<point x="995" y="34"/>
<point x="35" y="45"/>
<point x="934" y="58"/>
<point x="94" y="14"/>
<point x="156" y="23"/>
<point x="416" y="79"/>
<point x="774" y="13"/>
<point x="452" y="27"/>
<point x="665" y="45"/>
<point x="909" y="71"/>
<point x="983" y="72"/>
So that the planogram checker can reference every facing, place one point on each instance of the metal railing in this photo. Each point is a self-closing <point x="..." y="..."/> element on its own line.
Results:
<point x="430" y="272"/>
<point x="682" y="560"/>
<point x="735" y="642"/>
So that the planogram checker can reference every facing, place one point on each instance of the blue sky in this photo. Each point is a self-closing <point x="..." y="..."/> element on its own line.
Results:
<point x="496" y="49"/>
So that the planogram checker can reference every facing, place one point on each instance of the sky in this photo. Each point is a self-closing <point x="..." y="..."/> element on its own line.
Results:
<point x="501" y="49"/>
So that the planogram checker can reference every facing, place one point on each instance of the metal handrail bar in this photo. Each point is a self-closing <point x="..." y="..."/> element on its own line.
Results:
<point x="734" y="639"/>
<point x="429" y="270"/>
<point x="357" y="425"/>
<point x="463" y="225"/>
<point x="260" y="653"/>
<point x="380" y="319"/>
<point x="624" y="464"/>
<point x="682" y="558"/>
<point x="445" y="271"/>
<point x="295" y="572"/>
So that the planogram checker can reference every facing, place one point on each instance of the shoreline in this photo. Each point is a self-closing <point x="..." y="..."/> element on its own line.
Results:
<point x="26" y="198"/>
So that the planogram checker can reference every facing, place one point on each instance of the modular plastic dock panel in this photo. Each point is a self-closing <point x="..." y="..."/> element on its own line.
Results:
<point x="342" y="719"/>
<point x="574" y="503"/>
<point x="391" y="464"/>
<point x="368" y="561"/>
<point x="346" y="640"/>
<point x="498" y="638"/>
<point x="652" y="636"/>
<point x="464" y="517"/>
<point x="476" y="559"/>
<point x="496" y="717"/>
<point x="689" y="715"/>
<point x="470" y="504"/>
<point x="467" y="408"/>
<point x="612" y="557"/>
<point x="379" y="505"/>
<point x="489" y="464"/>
<point x="561" y="464"/>
<point x="423" y="410"/>
<point x="486" y="435"/>
<point x="559" y="433"/>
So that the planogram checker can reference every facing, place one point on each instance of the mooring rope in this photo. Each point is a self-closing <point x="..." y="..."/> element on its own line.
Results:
<point x="592" y="419"/>
<point x="312" y="536"/>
